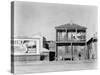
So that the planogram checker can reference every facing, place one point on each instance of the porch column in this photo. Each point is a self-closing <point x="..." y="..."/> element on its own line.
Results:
<point x="76" y="35"/>
<point x="86" y="51"/>
<point x="72" y="51"/>
<point x="56" y="56"/>
<point x="56" y="35"/>
<point x="57" y="39"/>
<point x="66" y="35"/>
<point x="60" y="36"/>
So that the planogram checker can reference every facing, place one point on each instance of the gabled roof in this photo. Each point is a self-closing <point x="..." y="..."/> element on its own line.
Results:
<point x="70" y="26"/>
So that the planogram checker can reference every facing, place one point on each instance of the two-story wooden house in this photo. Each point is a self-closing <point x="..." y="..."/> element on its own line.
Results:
<point x="70" y="42"/>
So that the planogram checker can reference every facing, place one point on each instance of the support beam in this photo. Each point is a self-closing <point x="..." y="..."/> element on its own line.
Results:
<point x="56" y="35"/>
<point x="76" y="34"/>
<point x="60" y="36"/>
<point x="56" y="56"/>
<point x="72" y="51"/>
<point x="86" y="55"/>
<point x="57" y="38"/>
<point x="66" y="35"/>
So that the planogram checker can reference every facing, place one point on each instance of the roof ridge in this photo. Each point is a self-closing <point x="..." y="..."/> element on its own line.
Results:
<point x="73" y="25"/>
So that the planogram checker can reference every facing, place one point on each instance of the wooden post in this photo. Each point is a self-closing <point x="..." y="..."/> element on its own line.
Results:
<point x="56" y="45"/>
<point x="56" y="35"/>
<point x="76" y="35"/>
<point x="56" y="53"/>
<point x="66" y="35"/>
<point x="60" y="36"/>
<point x="72" y="51"/>
<point x="86" y="56"/>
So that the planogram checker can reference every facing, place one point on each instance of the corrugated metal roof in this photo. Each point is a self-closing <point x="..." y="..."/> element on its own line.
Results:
<point x="70" y="26"/>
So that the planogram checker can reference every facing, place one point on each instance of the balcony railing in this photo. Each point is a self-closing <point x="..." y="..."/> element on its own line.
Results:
<point x="71" y="36"/>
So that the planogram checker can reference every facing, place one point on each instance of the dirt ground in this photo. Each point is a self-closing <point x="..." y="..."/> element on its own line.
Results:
<point x="54" y="66"/>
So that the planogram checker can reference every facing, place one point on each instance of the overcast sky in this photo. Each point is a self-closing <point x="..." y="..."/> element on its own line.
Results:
<point x="41" y="18"/>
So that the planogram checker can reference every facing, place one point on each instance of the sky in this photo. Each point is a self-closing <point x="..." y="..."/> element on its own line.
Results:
<point x="41" y="18"/>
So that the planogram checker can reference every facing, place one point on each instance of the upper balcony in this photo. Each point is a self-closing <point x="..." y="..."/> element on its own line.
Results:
<point x="71" y="36"/>
<point x="70" y="33"/>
